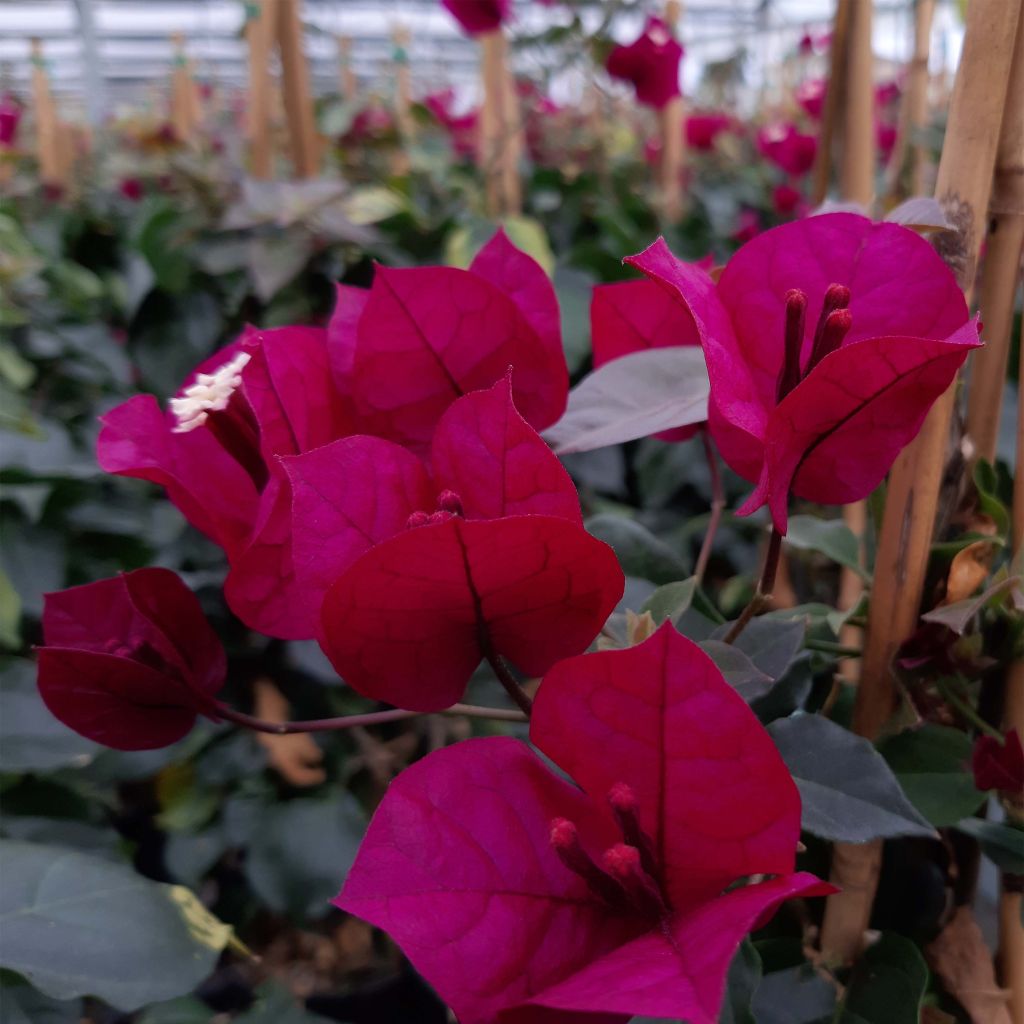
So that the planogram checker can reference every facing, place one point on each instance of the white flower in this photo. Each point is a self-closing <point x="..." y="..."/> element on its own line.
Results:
<point x="209" y="392"/>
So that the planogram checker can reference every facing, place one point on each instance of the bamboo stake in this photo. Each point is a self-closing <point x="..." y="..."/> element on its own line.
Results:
<point x="298" y="103"/>
<point x="857" y="171"/>
<point x="403" y="79"/>
<point x="346" y="71"/>
<point x="47" y="149"/>
<point x="673" y="139"/>
<point x="964" y="182"/>
<point x="857" y="184"/>
<point x="515" y="146"/>
<point x="914" y="108"/>
<point x="259" y="33"/>
<point x="498" y="129"/>
<point x="183" y="94"/>
<point x="1001" y="270"/>
<point x="835" y="101"/>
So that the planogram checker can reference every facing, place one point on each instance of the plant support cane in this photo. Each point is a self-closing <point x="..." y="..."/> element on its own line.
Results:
<point x="963" y="186"/>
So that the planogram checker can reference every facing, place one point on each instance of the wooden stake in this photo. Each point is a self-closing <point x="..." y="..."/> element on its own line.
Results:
<point x="403" y="79"/>
<point x="964" y="183"/>
<point x="499" y="157"/>
<point x="914" y="108"/>
<point x="183" y="94"/>
<point x="259" y="33"/>
<point x="835" y="101"/>
<point x="1001" y="269"/>
<point x="857" y="171"/>
<point x="673" y="139"/>
<point x="346" y="71"/>
<point x="298" y="103"/>
<point x="47" y="147"/>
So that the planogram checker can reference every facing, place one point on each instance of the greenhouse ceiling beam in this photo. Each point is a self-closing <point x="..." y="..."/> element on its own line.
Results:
<point x="95" y="101"/>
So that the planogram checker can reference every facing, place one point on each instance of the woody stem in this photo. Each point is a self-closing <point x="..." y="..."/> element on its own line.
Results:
<point x="717" y="507"/>
<point x="509" y="681"/>
<point x="763" y="594"/>
<point x="351" y="721"/>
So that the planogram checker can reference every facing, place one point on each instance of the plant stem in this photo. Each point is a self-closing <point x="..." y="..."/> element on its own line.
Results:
<point x="509" y="681"/>
<point x="828" y="647"/>
<point x="763" y="594"/>
<point x="369" y="718"/>
<point x="717" y="508"/>
<point x="951" y="697"/>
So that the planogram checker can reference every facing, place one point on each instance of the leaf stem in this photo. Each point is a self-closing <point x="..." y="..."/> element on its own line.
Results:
<point x="762" y="598"/>
<point x="951" y="697"/>
<point x="369" y="718"/>
<point x="828" y="647"/>
<point x="717" y="507"/>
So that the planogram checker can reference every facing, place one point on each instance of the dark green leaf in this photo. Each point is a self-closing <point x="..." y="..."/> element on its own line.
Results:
<point x="888" y="984"/>
<point x="20" y="1003"/>
<point x="740" y="985"/>
<point x="958" y="616"/>
<point x="31" y="739"/>
<point x="797" y="995"/>
<point x="849" y="793"/>
<point x="301" y="851"/>
<point x="831" y="537"/>
<point x="771" y="645"/>
<point x="1002" y="844"/>
<point x="639" y="552"/>
<point x="738" y="670"/>
<point x="932" y="764"/>
<point x="75" y="924"/>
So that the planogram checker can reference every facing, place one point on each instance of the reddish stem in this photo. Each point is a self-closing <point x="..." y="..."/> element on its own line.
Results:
<point x="717" y="508"/>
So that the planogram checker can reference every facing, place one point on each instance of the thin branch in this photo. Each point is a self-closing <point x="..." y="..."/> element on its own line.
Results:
<point x="717" y="508"/>
<point x="762" y="598"/>
<point x="369" y="718"/>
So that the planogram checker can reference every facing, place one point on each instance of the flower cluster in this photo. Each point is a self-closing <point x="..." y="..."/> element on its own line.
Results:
<point x="380" y="484"/>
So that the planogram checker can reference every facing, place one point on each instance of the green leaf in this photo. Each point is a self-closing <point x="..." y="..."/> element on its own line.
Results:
<point x="31" y="739"/>
<point x="771" y="645"/>
<point x="888" y="984"/>
<point x="276" y="1005"/>
<point x="20" y="1003"/>
<point x="671" y="600"/>
<point x="301" y="851"/>
<point x="275" y="260"/>
<point x="831" y="537"/>
<point x="1002" y="844"/>
<point x="160" y="240"/>
<point x="75" y="924"/>
<point x="740" y="985"/>
<point x="932" y="764"/>
<point x="185" y="1010"/>
<point x="639" y="552"/>
<point x="795" y="995"/>
<point x="574" y="288"/>
<point x="737" y="669"/>
<point x="986" y="483"/>
<point x="849" y="793"/>
<point x="631" y="397"/>
<point x="958" y="616"/>
<point x="10" y="613"/>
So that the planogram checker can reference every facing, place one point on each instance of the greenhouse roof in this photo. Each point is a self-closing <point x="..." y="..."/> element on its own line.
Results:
<point x="100" y="52"/>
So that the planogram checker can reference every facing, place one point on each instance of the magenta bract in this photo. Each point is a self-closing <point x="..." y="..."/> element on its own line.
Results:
<point x="703" y="129"/>
<point x="390" y="363"/>
<point x="130" y="661"/>
<point x="788" y="148"/>
<point x="859" y="393"/>
<point x="521" y="897"/>
<point x="650" y="64"/>
<point x="999" y="766"/>
<point x="478" y="16"/>
<point x="418" y="565"/>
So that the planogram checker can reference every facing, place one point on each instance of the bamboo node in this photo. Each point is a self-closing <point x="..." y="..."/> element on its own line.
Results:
<point x="957" y="247"/>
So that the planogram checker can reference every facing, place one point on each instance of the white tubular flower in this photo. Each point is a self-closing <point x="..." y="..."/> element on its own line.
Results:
<point x="209" y="392"/>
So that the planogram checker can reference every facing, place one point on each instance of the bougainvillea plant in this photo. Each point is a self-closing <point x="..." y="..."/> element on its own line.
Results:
<point x="380" y="484"/>
<point x="650" y="64"/>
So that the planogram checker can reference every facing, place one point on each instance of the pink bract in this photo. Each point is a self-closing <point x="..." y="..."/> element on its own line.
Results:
<point x="130" y="661"/>
<point x="703" y="129"/>
<point x="523" y="898"/>
<point x="478" y="16"/>
<point x="390" y="363"/>
<point x="999" y="766"/>
<point x="422" y="569"/>
<point x="416" y="344"/>
<point x="650" y="64"/>
<point x="788" y="148"/>
<point x="832" y="437"/>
